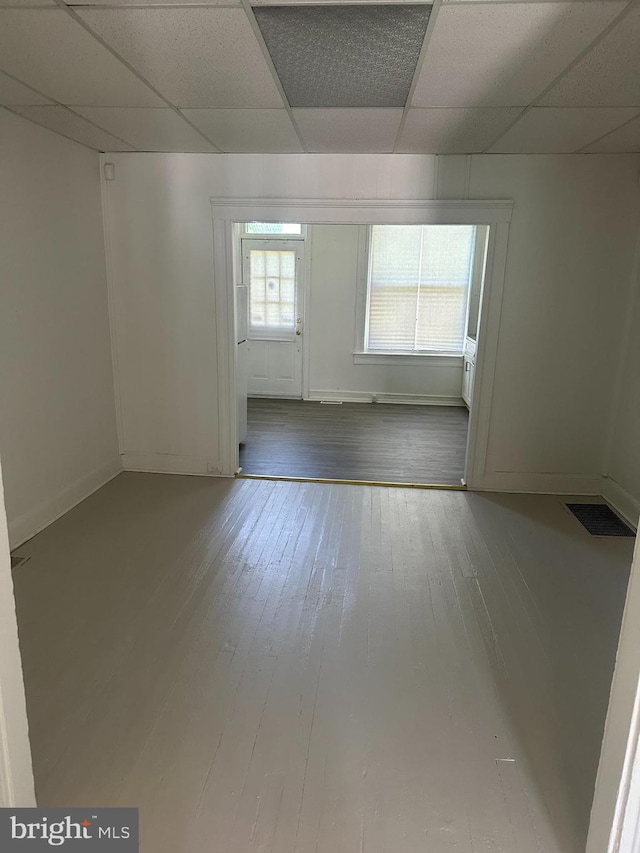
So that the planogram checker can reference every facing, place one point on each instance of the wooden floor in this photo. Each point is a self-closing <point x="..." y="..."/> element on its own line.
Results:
<point x="303" y="668"/>
<point x="356" y="441"/>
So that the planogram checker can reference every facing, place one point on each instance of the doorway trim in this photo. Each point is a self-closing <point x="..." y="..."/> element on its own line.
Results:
<point x="494" y="212"/>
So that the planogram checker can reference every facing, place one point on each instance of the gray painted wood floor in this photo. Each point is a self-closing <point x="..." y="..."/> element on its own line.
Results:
<point x="294" y="667"/>
<point x="356" y="441"/>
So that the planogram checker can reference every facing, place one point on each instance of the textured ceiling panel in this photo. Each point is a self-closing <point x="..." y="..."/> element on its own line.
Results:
<point x="13" y="92"/>
<point x="247" y="131"/>
<point x="256" y="3"/>
<point x="27" y="3"/>
<point x="63" y="121"/>
<point x="609" y="75"/>
<point x="545" y="130"/>
<point x="453" y="131"/>
<point x="153" y="2"/>
<point x="366" y="131"/>
<point x="344" y="56"/>
<point x="196" y="57"/>
<point x="504" y="54"/>
<point x="148" y="129"/>
<point x="47" y="49"/>
<point x="622" y="141"/>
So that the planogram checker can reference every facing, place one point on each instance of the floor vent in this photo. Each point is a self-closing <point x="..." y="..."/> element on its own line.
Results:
<point x="600" y="520"/>
<point x="17" y="561"/>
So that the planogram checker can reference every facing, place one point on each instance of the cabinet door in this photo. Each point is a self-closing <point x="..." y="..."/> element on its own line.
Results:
<point x="467" y="380"/>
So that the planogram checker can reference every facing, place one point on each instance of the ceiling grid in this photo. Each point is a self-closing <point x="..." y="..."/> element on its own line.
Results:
<point x="362" y="76"/>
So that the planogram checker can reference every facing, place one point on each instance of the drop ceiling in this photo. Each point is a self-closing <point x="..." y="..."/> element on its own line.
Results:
<point x="455" y="77"/>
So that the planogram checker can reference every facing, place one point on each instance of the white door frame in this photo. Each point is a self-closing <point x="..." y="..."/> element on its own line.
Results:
<point x="16" y="773"/>
<point x="495" y="213"/>
<point x="615" y="813"/>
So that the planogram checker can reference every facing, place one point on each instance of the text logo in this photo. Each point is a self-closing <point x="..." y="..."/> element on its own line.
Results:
<point x="27" y="830"/>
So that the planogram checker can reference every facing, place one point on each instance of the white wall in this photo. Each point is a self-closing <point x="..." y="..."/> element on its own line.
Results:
<point x="332" y="372"/>
<point x="569" y="269"/>
<point x="622" y="465"/>
<point x="58" y="438"/>
<point x="568" y="273"/>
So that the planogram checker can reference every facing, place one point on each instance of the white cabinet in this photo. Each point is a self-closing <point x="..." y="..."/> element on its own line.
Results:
<point x="468" y="370"/>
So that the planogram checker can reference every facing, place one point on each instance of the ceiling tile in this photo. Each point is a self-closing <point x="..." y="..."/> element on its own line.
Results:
<point x="147" y="128"/>
<point x="545" y="130"/>
<point x="609" y="75"/>
<point x="27" y="3"/>
<point x="364" y="131"/>
<point x="152" y="2"/>
<point x="444" y="130"/>
<point x="504" y="54"/>
<point x="195" y="57"/>
<point x="47" y="49"/>
<point x="257" y="3"/>
<point x="63" y="121"/>
<point x="247" y="131"/>
<point x="622" y="141"/>
<point x="13" y="92"/>
<point x="344" y="56"/>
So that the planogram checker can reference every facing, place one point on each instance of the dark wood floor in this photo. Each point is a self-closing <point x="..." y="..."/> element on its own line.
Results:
<point x="356" y="441"/>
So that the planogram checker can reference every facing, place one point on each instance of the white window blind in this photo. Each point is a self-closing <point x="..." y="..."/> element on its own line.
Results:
<point x="418" y="286"/>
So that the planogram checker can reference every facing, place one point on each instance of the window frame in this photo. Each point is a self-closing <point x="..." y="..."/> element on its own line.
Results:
<point x="248" y="235"/>
<point x="278" y="244"/>
<point x="362" y="355"/>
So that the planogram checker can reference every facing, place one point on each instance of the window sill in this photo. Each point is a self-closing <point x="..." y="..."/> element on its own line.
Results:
<point x="404" y="358"/>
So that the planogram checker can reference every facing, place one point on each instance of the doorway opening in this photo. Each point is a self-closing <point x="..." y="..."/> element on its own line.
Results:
<point x="304" y="297"/>
<point x="356" y="349"/>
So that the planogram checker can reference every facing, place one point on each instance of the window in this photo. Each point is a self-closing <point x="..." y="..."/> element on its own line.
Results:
<point x="417" y="288"/>
<point x="273" y="228"/>
<point x="272" y="292"/>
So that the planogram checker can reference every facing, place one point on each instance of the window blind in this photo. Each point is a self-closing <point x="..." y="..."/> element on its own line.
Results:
<point x="418" y="286"/>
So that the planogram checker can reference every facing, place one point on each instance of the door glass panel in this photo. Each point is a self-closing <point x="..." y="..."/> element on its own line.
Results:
<point x="272" y="277"/>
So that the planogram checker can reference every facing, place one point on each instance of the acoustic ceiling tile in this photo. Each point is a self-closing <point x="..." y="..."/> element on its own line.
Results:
<point x="624" y="140"/>
<point x="153" y="2"/>
<point x="545" y="130"/>
<point x="27" y="3"/>
<point x="447" y="130"/>
<point x="14" y="92"/>
<point x="47" y="49"/>
<point x="344" y="56"/>
<point x="197" y="57"/>
<point x="67" y="123"/>
<point x="247" y="131"/>
<point x="609" y="75"/>
<point x="365" y="131"/>
<point x="148" y="129"/>
<point x="258" y="3"/>
<point x="504" y="54"/>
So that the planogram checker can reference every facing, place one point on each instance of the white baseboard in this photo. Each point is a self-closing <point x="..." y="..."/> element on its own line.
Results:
<point x="50" y="510"/>
<point x="622" y="501"/>
<point x="544" y="484"/>
<point x="368" y="397"/>
<point x="169" y="463"/>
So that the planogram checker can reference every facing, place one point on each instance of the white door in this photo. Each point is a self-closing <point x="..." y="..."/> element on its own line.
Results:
<point x="272" y="269"/>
